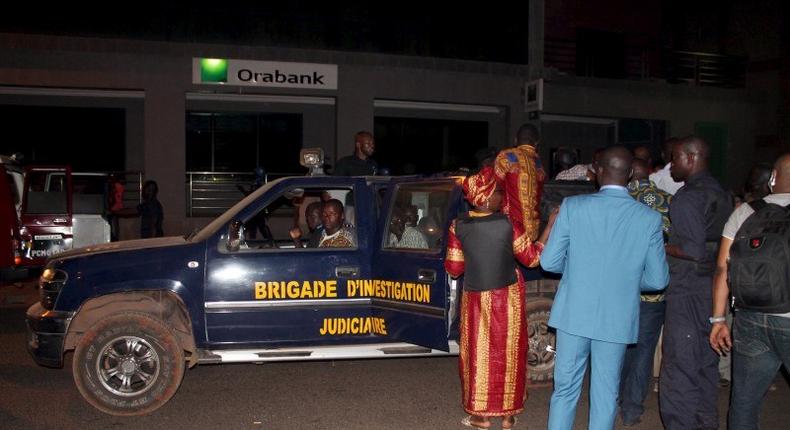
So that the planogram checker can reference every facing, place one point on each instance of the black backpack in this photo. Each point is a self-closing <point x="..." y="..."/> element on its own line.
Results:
<point x="759" y="268"/>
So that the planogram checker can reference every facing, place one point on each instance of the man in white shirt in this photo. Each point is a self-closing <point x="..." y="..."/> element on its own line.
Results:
<point x="762" y="340"/>
<point x="663" y="178"/>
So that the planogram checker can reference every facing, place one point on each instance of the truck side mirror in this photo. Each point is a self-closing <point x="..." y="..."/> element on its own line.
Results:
<point x="235" y="235"/>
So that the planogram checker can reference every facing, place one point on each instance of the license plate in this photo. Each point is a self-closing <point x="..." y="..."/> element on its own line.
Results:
<point x="47" y="237"/>
<point x="47" y="248"/>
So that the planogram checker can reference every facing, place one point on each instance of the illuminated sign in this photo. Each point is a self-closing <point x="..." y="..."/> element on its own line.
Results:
<point x="353" y="325"/>
<point x="218" y="71"/>
<point x="374" y="288"/>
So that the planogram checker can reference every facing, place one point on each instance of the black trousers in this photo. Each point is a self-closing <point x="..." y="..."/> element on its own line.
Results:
<point x="688" y="384"/>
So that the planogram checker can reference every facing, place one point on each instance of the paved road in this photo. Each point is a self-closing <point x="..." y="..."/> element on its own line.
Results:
<point x="367" y="394"/>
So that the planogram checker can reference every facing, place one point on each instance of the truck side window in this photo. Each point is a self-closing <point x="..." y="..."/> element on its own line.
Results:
<point x="417" y="217"/>
<point x="294" y="221"/>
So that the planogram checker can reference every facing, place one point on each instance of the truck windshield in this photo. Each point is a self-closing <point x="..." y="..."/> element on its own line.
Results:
<point x="231" y="213"/>
<point x="46" y="194"/>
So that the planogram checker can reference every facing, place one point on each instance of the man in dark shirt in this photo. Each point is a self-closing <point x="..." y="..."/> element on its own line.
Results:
<point x="315" y="229"/>
<point x="689" y="370"/>
<point x="150" y="211"/>
<point x="360" y="163"/>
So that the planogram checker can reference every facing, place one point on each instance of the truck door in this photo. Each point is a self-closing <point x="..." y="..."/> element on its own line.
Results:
<point x="409" y="290"/>
<point x="45" y="222"/>
<point x="269" y="291"/>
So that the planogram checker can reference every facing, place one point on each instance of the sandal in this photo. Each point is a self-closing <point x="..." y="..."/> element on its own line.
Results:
<point x="513" y="420"/>
<point x="467" y="422"/>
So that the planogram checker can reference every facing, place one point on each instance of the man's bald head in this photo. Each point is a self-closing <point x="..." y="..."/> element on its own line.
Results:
<point x="695" y="145"/>
<point x="334" y="203"/>
<point x="689" y="157"/>
<point x="614" y="166"/>
<point x="782" y="169"/>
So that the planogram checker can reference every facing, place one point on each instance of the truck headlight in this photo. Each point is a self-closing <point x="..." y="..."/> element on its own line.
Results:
<point x="49" y="285"/>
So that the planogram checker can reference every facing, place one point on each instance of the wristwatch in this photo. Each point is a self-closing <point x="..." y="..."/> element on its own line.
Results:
<point x="714" y="320"/>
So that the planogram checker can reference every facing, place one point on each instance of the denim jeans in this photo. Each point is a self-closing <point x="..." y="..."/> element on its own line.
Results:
<point x="638" y="363"/>
<point x="761" y="343"/>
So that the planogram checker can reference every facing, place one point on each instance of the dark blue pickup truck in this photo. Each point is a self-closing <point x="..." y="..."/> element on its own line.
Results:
<point x="137" y="313"/>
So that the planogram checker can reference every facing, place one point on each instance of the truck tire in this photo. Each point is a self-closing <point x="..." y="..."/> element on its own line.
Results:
<point x="540" y="362"/>
<point x="129" y="364"/>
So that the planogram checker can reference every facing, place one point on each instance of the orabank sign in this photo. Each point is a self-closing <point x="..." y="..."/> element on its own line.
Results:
<point x="217" y="71"/>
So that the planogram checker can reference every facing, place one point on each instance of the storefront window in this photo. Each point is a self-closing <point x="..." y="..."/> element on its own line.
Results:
<point x="408" y="146"/>
<point x="240" y="142"/>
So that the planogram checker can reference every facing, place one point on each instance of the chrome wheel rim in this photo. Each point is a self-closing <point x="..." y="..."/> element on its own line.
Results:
<point x="128" y="366"/>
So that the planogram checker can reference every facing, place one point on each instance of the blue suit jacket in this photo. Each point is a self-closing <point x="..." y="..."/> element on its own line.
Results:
<point x="608" y="247"/>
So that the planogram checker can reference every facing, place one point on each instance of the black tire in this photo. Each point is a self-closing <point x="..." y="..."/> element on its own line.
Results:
<point x="540" y="362"/>
<point x="129" y="364"/>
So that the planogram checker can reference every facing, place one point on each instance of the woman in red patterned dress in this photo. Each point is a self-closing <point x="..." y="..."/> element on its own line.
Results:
<point x="484" y="246"/>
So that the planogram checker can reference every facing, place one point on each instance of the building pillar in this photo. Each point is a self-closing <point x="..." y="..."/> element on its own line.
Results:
<point x="165" y="151"/>
<point x="536" y="34"/>
<point x="354" y="110"/>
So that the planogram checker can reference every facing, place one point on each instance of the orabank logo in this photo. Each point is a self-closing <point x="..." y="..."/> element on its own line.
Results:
<point x="213" y="70"/>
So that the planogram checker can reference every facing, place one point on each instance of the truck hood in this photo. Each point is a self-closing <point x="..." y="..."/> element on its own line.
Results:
<point x="126" y="245"/>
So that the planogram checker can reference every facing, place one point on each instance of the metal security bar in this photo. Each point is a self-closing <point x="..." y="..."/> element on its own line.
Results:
<point x="209" y="194"/>
<point x="645" y="60"/>
<point x="703" y="69"/>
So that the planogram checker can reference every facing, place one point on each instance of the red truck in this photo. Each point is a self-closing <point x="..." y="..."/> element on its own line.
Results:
<point x="61" y="211"/>
<point x="10" y="190"/>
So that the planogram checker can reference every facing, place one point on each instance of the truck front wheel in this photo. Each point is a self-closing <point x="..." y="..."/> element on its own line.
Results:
<point x="129" y="364"/>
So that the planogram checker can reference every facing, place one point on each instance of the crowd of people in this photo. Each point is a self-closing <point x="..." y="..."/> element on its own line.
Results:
<point x="660" y="246"/>
<point x="650" y="249"/>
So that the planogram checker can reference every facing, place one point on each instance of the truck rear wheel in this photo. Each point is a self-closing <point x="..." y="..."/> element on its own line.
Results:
<point x="540" y="361"/>
<point x="129" y="364"/>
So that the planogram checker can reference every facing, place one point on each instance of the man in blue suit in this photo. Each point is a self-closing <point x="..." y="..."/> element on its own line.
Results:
<point x="608" y="247"/>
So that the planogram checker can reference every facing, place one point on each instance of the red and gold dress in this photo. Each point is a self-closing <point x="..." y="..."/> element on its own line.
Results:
<point x="493" y="329"/>
<point x="520" y="171"/>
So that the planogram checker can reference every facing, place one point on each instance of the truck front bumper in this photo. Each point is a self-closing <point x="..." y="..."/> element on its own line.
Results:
<point x="46" y="333"/>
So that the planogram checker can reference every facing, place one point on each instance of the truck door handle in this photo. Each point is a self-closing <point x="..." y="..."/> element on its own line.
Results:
<point x="60" y="221"/>
<point x="346" y="271"/>
<point x="426" y="275"/>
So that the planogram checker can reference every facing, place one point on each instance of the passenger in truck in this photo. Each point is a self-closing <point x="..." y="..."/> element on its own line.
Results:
<point x="335" y="234"/>
<point x="403" y="235"/>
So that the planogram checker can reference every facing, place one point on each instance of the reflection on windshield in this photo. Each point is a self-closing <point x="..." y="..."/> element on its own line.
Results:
<point x="231" y="213"/>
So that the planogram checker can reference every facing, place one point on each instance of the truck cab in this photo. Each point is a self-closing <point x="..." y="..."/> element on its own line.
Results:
<point x="226" y="295"/>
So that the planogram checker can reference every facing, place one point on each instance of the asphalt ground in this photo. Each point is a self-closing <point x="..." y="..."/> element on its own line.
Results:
<point x="355" y="394"/>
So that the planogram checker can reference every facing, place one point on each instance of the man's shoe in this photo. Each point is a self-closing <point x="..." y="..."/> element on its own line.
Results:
<point x="631" y="422"/>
